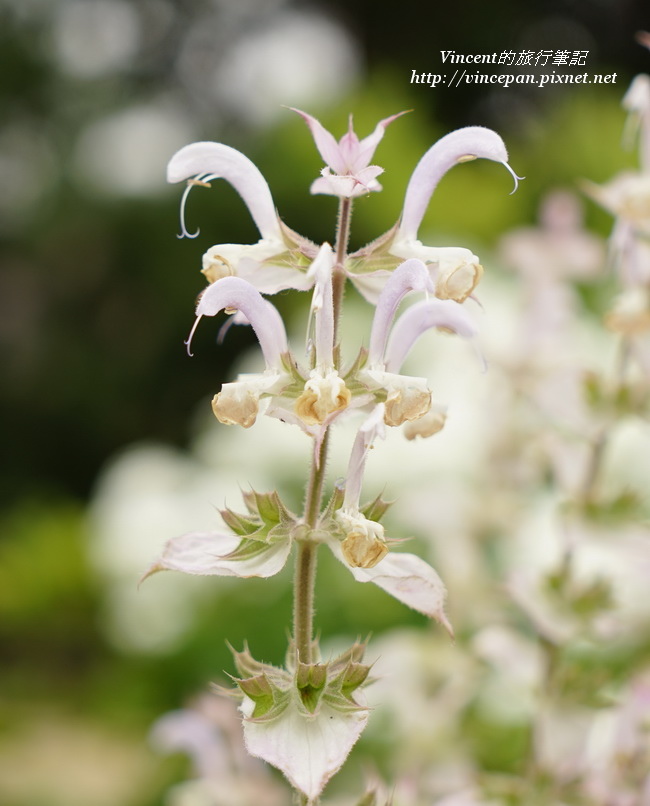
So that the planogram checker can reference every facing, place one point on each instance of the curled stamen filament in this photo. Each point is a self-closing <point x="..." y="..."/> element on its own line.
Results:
<point x="202" y="180"/>
<point x="188" y="341"/>
<point x="514" y="176"/>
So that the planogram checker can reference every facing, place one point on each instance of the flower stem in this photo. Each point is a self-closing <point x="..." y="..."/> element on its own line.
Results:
<point x="341" y="248"/>
<point x="305" y="570"/>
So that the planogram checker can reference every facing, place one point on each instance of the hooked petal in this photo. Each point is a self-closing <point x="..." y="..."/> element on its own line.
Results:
<point x="222" y="161"/>
<point x="457" y="146"/>
<point x="412" y="275"/>
<point x="207" y="554"/>
<point x="417" y="320"/>
<point x="235" y="293"/>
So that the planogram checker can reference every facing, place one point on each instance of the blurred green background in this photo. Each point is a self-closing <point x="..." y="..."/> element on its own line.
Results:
<point x="97" y="293"/>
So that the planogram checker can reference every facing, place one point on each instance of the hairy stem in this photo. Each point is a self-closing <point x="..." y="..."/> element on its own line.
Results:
<point x="305" y="570"/>
<point x="341" y="248"/>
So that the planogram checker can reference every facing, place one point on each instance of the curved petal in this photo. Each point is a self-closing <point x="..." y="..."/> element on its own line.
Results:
<point x="207" y="554"/>
<point x="408" y="578"/>
<point x="322" y="307"/>
<point x="417" y="320"/>
<point x="412" y="275"/>
<point x="458" y="146"/>
<point x="372" y="429"/>
<point x="222" y="161"/>
<point x="237" y="294"/>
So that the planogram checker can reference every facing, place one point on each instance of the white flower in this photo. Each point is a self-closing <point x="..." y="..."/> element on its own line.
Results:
<point x="238" y="402"/>
<point x="454" y="270"/>
<point x="280" y="259"/>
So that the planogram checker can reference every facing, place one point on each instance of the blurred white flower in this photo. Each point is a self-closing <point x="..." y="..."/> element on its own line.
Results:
<point x="125" y="153"/>
<point x="297" y="58"/>
<point x="94" y="37"/>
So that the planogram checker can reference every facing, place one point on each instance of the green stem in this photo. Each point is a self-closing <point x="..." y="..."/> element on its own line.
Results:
<point x="305" y="570"/>
<point x="338" y="278"/>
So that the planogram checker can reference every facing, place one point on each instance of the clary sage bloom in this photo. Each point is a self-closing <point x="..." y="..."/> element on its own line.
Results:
<point x="281" y="258"/>
<point x="455" y="271"/>
<point x="305" y="717"/>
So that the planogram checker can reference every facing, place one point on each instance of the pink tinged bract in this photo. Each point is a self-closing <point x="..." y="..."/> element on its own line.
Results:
<point x="412" y="275"/>
<point x="422" y="317"/>
<point x="207" y="554"/>
<point x="233" y="293"/>
<point x="459" y="146"/>
<point x="206" y="161"/>
<point x="308" y="749"/>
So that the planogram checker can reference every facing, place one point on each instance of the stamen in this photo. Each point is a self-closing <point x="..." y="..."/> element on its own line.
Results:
<point x="223" y="330"/>
<point x="188" y="341"/>
<point x="467" y="158"/>
<point x="514" y="176"/>
<point x="202" y="180"/>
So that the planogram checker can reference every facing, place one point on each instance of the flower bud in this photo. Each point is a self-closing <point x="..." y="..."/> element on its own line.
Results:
<point x="457" y="281"/>
<point x="364" y="545"/>
<point x="322" y="396"/>
<point x="216" y="266"/>
<point x="236" y="404"/>
<point x="363" y="550"/>
<point x="406" y="403"/>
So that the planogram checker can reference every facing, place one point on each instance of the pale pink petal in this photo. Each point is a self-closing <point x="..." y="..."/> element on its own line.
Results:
<point x="412" y="275"/>
<point x="417" y="320"/>
<point x="368" y="145"/>
<point x="406" y="577"/>
<point x="237" y="294"/>
<point x="308" y="749"/>
<point x="470" y="142"/>
<point x="322" y="307"/>
<point x="326" y="144"/>
<point x="221" y="161"/>
<point x="373" y="428"/>
<point x="270" y="278"/>
<point x="343" y="186"/>
<point x="206" y="554"/>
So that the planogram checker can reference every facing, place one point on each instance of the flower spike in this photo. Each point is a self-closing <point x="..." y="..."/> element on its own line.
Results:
<point x="461" y="145"/>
